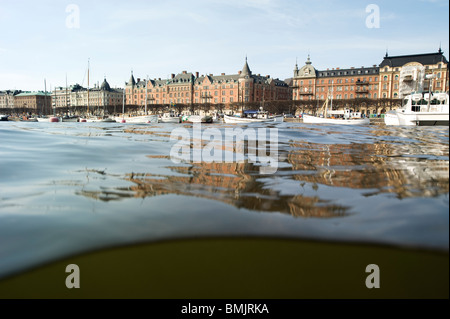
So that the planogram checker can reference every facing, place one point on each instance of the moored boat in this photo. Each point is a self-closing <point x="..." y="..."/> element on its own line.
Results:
<point x="252" y="117"/>
<point x="70" y="118"/>
<point x="169" y="118"/>
<point x="345" y="117"/>
<point x="3" y="117"/>
<point x="197" y="119"/>
<point x="143" y="119"/>
<point x="422" y="109"/>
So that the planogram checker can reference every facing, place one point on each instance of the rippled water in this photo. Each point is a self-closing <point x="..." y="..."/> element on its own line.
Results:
<point x="72" y="187"/>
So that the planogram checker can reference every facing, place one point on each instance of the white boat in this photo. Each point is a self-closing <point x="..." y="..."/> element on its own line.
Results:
<point x="98" y="120"/>
<point x="345" y="117"/>
<point x="252" y="117"/>
<point x="4" y="117"/>
<point x="138" y="119"/>
<point x="169" y="118"/>
<point x="423" y="109"/>
<point x="43" y="119"/>
<point x="309" y="119"/>
<point x="196" y="119"/>
<point x="49" y="119"/>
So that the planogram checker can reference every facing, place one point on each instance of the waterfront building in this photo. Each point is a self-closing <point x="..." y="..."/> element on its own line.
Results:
<point x="216" y="90"/>
<point x="38" y="102"/>
<point x="77" y="98"/>
<point x="393" y="78"/>
<point x="7" y="99"/>
<point x="401" y="75"/>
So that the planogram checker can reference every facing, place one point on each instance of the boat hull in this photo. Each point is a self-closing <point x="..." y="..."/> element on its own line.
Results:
<point x="416" y="119"/>
<point x="4" y="118"/>
<point x="70" y="119"/>
<point x="309" y="119"/>
<point x="169" y="120"/>
<point x="243" y="120"/>
<point x="138" y="119"/>
<point x="197" y="119"/>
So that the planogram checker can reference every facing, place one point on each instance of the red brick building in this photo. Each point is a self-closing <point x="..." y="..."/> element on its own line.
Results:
<point x="188" y="88"/>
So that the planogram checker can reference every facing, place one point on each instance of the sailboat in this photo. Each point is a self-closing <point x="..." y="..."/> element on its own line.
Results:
<point x="69" y="117"/>
<point x="89" y="117"/>
<point x="348" y="116"/>
<point x="44" y="118"/>
<point x="140" y="119"/>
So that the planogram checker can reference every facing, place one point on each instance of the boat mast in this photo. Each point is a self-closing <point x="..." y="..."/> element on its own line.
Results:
<point x="123" y="101"/>
<point x="45" y="98"/>
<point x="54" y="106"/>
<point x="67" y="101"/>
<point x="146" y="91"/>
<point x="88" y="91"/>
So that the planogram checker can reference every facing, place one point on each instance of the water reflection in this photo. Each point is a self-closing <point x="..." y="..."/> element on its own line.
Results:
<point x="381" y="161"/>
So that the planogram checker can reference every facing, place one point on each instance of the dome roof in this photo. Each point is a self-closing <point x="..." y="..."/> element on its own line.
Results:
<point x="105" y="86"/>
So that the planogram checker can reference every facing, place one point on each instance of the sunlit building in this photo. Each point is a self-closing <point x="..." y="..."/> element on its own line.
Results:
<point x="393" y="78"/>
<point x="188" y="88"/>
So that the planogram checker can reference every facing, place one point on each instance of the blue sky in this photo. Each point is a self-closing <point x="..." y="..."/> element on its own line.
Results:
<point x="157" y="38"/>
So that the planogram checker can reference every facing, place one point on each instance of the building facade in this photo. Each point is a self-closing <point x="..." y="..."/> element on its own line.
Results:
<point x="393" y="78"/>
<point x="78" y="98"/>
<point x="401" y="75"/>
<point x="38" y="102"/>
<point x="7" y="99"/>
<point x="188" y="89"/>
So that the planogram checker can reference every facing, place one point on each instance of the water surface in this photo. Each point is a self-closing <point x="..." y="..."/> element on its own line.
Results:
<point x="67" y="188"/>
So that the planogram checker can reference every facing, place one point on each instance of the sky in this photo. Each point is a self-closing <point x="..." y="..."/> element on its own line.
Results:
<point x="45" y="42"/>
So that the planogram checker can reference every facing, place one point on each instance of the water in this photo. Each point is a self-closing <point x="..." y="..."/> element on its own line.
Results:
<point x="67" y="188"/>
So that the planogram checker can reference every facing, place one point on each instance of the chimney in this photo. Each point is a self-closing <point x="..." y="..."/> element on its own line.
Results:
<point x="328" y="69"/>
<point x="211" y="74"/>
<point x="172" y="76"/>
<point x="239" y="72"/>
<point x="196" y="74"/>
<point x="338" y="68"/>
<point x="223" y="74"/>
<point x="139" y="80"/>
<point x="184" y="72"/>
<point x="159" y="79"/>
<point x="352" y="67"/>
<point x="268" y="76"/>
<point x="374" y="65"/>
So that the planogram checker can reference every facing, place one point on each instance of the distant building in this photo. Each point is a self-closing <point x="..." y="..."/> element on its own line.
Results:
<point x="39" y="102"/>
<point x="395" y="77"/>
<point x="7" y="99"/>
<point x="401" y="75"/>
<point x="76" y="97"/>
<point x="187" y="89"/>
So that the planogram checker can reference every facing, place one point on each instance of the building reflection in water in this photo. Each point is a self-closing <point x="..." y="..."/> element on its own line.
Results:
<point x="378" y="168"/>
